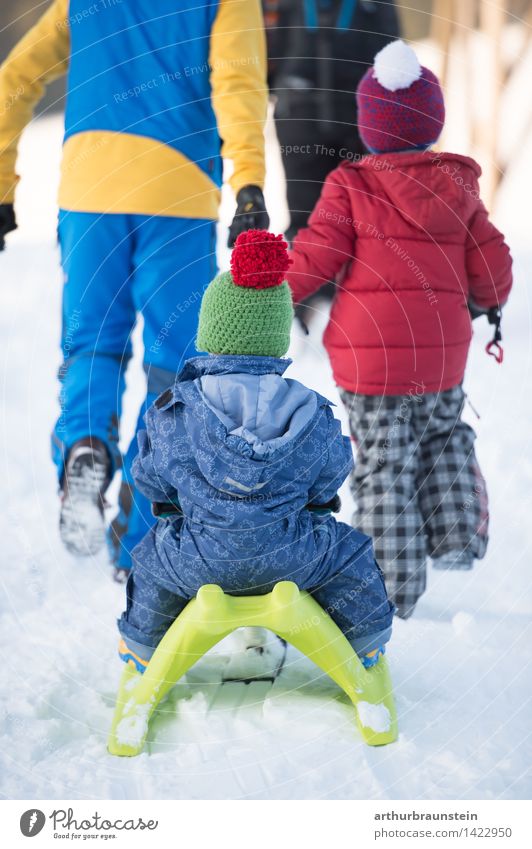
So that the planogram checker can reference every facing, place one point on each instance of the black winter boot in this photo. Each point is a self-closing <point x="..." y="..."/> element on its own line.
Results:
<point x="86" y="477"/>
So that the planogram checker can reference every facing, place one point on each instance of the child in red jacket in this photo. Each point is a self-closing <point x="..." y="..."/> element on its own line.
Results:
<point x="408" y="241"/>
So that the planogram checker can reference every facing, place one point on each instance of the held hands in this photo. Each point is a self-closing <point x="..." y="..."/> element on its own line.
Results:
<point x="7" y="222"/>
<point x="250" y="213"/>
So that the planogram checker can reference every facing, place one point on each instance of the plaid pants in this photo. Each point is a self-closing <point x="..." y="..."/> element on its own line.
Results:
<point x="417" y="486"/>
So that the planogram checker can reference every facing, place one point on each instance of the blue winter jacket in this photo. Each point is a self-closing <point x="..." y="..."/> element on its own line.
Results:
<point x="244" y="451"/>
<point x="241" y="447"/>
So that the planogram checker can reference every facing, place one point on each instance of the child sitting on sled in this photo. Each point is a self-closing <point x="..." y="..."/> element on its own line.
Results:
<point x="243" y="466"/>
<point x="409" y="242"/>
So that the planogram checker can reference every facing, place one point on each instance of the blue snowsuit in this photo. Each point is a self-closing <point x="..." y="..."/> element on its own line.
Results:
<point x="244" y="451"/>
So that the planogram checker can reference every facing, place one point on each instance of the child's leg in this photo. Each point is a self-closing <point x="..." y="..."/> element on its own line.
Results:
<point x="452" y="491"/>
<point x="352" y="589"/>
<point x="383" y="485"/>
<point x="151" y="609"/>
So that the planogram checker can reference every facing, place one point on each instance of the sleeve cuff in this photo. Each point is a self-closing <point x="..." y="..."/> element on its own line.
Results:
<point x="369" y="642"/>
<point x="247" y="178"/>
<point x="7" y="188"/>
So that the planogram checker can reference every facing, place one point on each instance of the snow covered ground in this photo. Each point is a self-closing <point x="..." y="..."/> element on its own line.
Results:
<point x="461" y="665"/>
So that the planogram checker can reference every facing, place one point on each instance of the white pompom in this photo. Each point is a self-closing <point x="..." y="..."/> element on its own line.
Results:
<point x="396" y="66"/>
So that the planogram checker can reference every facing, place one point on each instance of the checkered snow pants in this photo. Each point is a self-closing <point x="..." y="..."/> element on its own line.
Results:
<point x="417" y="486"/>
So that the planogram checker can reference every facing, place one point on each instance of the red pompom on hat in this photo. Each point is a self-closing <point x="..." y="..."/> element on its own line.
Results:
<point x="248" y="310"/>
<point x="259" y="260"/>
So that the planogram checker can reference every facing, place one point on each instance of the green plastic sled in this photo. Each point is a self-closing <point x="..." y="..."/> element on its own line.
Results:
<point x="286" y="611"/>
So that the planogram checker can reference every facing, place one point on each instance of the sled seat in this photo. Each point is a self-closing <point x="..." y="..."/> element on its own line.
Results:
<point x="212" y="615"/>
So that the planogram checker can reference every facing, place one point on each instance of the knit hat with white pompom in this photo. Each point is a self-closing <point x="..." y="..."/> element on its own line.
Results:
<point x="400" y="103"/>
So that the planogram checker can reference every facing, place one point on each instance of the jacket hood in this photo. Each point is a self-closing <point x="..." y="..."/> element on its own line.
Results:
<point x="432" y="191"/>
<point x="243" y="418"/>
<point x="265" y="410"/>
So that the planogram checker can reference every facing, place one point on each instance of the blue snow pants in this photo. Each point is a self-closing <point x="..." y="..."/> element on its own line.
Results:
<point x="331" y="560"/>
<point x="115" y="268"/>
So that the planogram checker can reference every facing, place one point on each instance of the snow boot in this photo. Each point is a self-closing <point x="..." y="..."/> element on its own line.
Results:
<point x="131" y="658"/>
<point x="372" y="658"/>
<point x="86" y="477"/>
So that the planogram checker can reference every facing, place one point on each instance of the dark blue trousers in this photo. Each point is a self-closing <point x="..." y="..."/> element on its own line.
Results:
<point x="333" y="561"/>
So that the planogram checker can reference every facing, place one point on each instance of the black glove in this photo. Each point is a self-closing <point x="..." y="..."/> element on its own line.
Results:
<point x="250" y="213"/>
<point x="7" y="221"/>
<point x="475" y="311"/>
<point x="332" y="506"/>
<point x="494" y="348"/>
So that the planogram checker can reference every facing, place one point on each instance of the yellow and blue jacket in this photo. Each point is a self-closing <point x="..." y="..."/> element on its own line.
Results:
<point x="157" y="93"/>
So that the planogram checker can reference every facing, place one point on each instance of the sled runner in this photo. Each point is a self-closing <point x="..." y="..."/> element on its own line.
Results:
<point x="212" y="615"/>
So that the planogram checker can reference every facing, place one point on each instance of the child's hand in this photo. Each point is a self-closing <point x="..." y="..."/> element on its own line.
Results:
<point x="475" y="311"/>
<point x="332" y="506"/>
<point x="165" y="509"/>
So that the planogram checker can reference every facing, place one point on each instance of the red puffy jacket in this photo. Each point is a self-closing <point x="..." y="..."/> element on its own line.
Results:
<point x="409" y="243"/>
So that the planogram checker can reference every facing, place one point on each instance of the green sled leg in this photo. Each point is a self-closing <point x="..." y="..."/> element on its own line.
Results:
<point x="286" y="611"/>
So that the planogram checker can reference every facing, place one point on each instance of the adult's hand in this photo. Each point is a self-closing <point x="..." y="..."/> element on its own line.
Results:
<point x="250" y="213"/>
<point x="7" y="222"/>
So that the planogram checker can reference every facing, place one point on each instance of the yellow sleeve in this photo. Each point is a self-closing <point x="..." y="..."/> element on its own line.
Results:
<point x="239" y="90"/>
<point x="38" y="58"/>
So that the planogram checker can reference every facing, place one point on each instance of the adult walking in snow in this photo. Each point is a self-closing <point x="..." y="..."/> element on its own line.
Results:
<point x="415" y="247"/>
<point x="318" y="51"/>
<point x="155" y="98"/>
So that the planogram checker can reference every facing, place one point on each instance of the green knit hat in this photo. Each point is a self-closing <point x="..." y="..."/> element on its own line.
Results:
<point x="249" y="309"/>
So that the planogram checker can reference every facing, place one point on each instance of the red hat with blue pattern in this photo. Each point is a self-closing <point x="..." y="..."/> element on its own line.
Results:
<point x="400" y="103"/>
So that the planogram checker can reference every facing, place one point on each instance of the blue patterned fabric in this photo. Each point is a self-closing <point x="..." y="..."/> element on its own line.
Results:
<point x="245" y="450"/>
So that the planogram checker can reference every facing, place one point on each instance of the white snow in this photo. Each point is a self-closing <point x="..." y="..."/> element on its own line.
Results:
<point x="256" y="653"/>
<point x="132" y="683"/>
<point x="396" y="66"/>
<point x="376" y="717"/>
<point x="461" y="666"/>
<point x="134" y="725"/>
